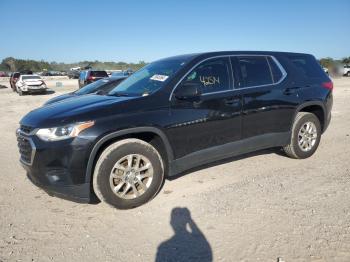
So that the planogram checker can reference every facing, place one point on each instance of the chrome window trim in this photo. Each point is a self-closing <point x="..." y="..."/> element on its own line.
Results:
<point x="280" y="67"/>
<point x="218" y="92"/>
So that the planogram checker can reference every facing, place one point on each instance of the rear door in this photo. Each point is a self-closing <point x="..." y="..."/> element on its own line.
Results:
<point x="268" y="99"/>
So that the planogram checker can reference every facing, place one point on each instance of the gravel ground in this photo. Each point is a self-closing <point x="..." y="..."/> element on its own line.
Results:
<point x="259" y="207"/>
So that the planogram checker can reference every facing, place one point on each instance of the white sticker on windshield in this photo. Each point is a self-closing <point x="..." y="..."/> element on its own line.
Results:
<point x="161" y="78"/>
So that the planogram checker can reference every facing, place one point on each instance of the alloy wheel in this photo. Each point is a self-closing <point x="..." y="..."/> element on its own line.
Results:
<point x="307" y="136"/>
<point x="131" y="176"/>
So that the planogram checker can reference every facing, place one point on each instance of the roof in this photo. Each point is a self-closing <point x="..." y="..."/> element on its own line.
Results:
<point x="218" y="53"/>
<point x="186" y="57"/>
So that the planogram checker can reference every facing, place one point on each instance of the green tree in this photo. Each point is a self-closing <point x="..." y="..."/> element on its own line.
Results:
<point x="9" y="63"/>
<point x="346" y="60"/>
<point x="326" y="62"/>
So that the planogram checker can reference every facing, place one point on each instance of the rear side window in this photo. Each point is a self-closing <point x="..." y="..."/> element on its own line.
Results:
<point x="307" y="65"/>
<point x="99" y="73"/>
<point x="255" y="71"/>
<point x="212" y="75"/>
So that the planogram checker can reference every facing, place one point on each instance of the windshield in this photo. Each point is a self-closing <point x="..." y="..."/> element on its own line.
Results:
<point x="149" y="78"/>
<point x="104" y="84"/>
<point x="30" y="77"/>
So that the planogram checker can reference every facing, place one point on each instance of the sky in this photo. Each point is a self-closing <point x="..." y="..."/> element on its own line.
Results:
<point x="133" y="31"/>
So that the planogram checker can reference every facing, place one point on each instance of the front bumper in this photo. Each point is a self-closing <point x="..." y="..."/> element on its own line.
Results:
<point x="77" y="193"/>
<point x="59" y="168"/>
<point x="34" y="89"/>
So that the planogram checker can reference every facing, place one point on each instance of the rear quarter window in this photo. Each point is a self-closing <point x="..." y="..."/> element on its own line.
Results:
<point x="307" y="65"/>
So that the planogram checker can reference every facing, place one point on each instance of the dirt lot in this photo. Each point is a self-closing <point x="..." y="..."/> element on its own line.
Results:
<point x="254" y="208"/>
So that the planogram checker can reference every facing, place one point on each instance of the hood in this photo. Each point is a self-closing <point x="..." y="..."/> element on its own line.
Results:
<point x="59" y="98"/>
<point x="79" y="109"/>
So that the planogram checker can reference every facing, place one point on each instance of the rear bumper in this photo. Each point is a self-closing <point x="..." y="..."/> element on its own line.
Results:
<point x="327" y="122"/>
<point x="328" y="111"/>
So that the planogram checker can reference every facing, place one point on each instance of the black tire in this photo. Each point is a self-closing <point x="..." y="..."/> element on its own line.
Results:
<point x="20" y="92"/>
<point x="110" y="156"/>
<point x="348" y="73"/>
<point x="293" y="150"/>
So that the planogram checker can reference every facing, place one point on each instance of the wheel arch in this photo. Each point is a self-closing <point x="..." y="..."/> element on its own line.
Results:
<point x="138" y="132"/>
<point x="315" y="107"/>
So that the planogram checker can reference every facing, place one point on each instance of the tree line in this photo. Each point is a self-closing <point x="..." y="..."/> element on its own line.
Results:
<point x="13" y="65"/>
<point x="329" y="62"/>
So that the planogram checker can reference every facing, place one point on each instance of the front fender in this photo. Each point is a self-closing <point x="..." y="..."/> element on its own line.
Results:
<point x="129" y="131"/>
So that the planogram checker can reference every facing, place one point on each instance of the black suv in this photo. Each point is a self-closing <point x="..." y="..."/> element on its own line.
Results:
<point x="89" y="76"/>
<point x="172" y="115"/>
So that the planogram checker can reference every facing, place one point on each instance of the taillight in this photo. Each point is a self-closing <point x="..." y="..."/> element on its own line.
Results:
<point x="90" y="78"/>
<point x="328" y="85"/>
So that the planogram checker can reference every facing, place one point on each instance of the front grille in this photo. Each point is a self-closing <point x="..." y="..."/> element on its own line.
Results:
<point x="26" y="129"/>
<point x="25" y="149"/>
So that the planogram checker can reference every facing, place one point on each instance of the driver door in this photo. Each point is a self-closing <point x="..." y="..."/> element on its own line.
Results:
<point x="211" y="120"/>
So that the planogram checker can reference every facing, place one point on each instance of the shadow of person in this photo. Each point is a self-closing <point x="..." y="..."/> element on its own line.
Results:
<point x="188" y="242"/>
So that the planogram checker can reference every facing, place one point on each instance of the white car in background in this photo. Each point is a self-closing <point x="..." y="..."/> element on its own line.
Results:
<point x="346" y="70"/>
<point x="30" y="84"/>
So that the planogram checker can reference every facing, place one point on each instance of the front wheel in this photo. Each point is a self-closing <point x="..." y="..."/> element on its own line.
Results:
<point x="306" y="136"/>
<point x="128" y="174"/>
<point x="20" y="92"/>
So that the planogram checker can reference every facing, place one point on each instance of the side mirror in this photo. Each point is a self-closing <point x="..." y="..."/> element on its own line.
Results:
<point x="188" y="91"/>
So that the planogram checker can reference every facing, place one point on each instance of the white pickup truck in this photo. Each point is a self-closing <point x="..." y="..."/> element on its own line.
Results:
<point x="30" y="84"/>
<point x="346" y="70"/>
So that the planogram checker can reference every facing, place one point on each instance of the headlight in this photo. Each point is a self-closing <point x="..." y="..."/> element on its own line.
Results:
<point x="63" y="132"/>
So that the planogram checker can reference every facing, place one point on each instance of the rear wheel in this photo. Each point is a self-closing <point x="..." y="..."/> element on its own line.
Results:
<point x="128" y="174"/>
<point x="306" y="136"/>
<point x="348" y="73"/>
